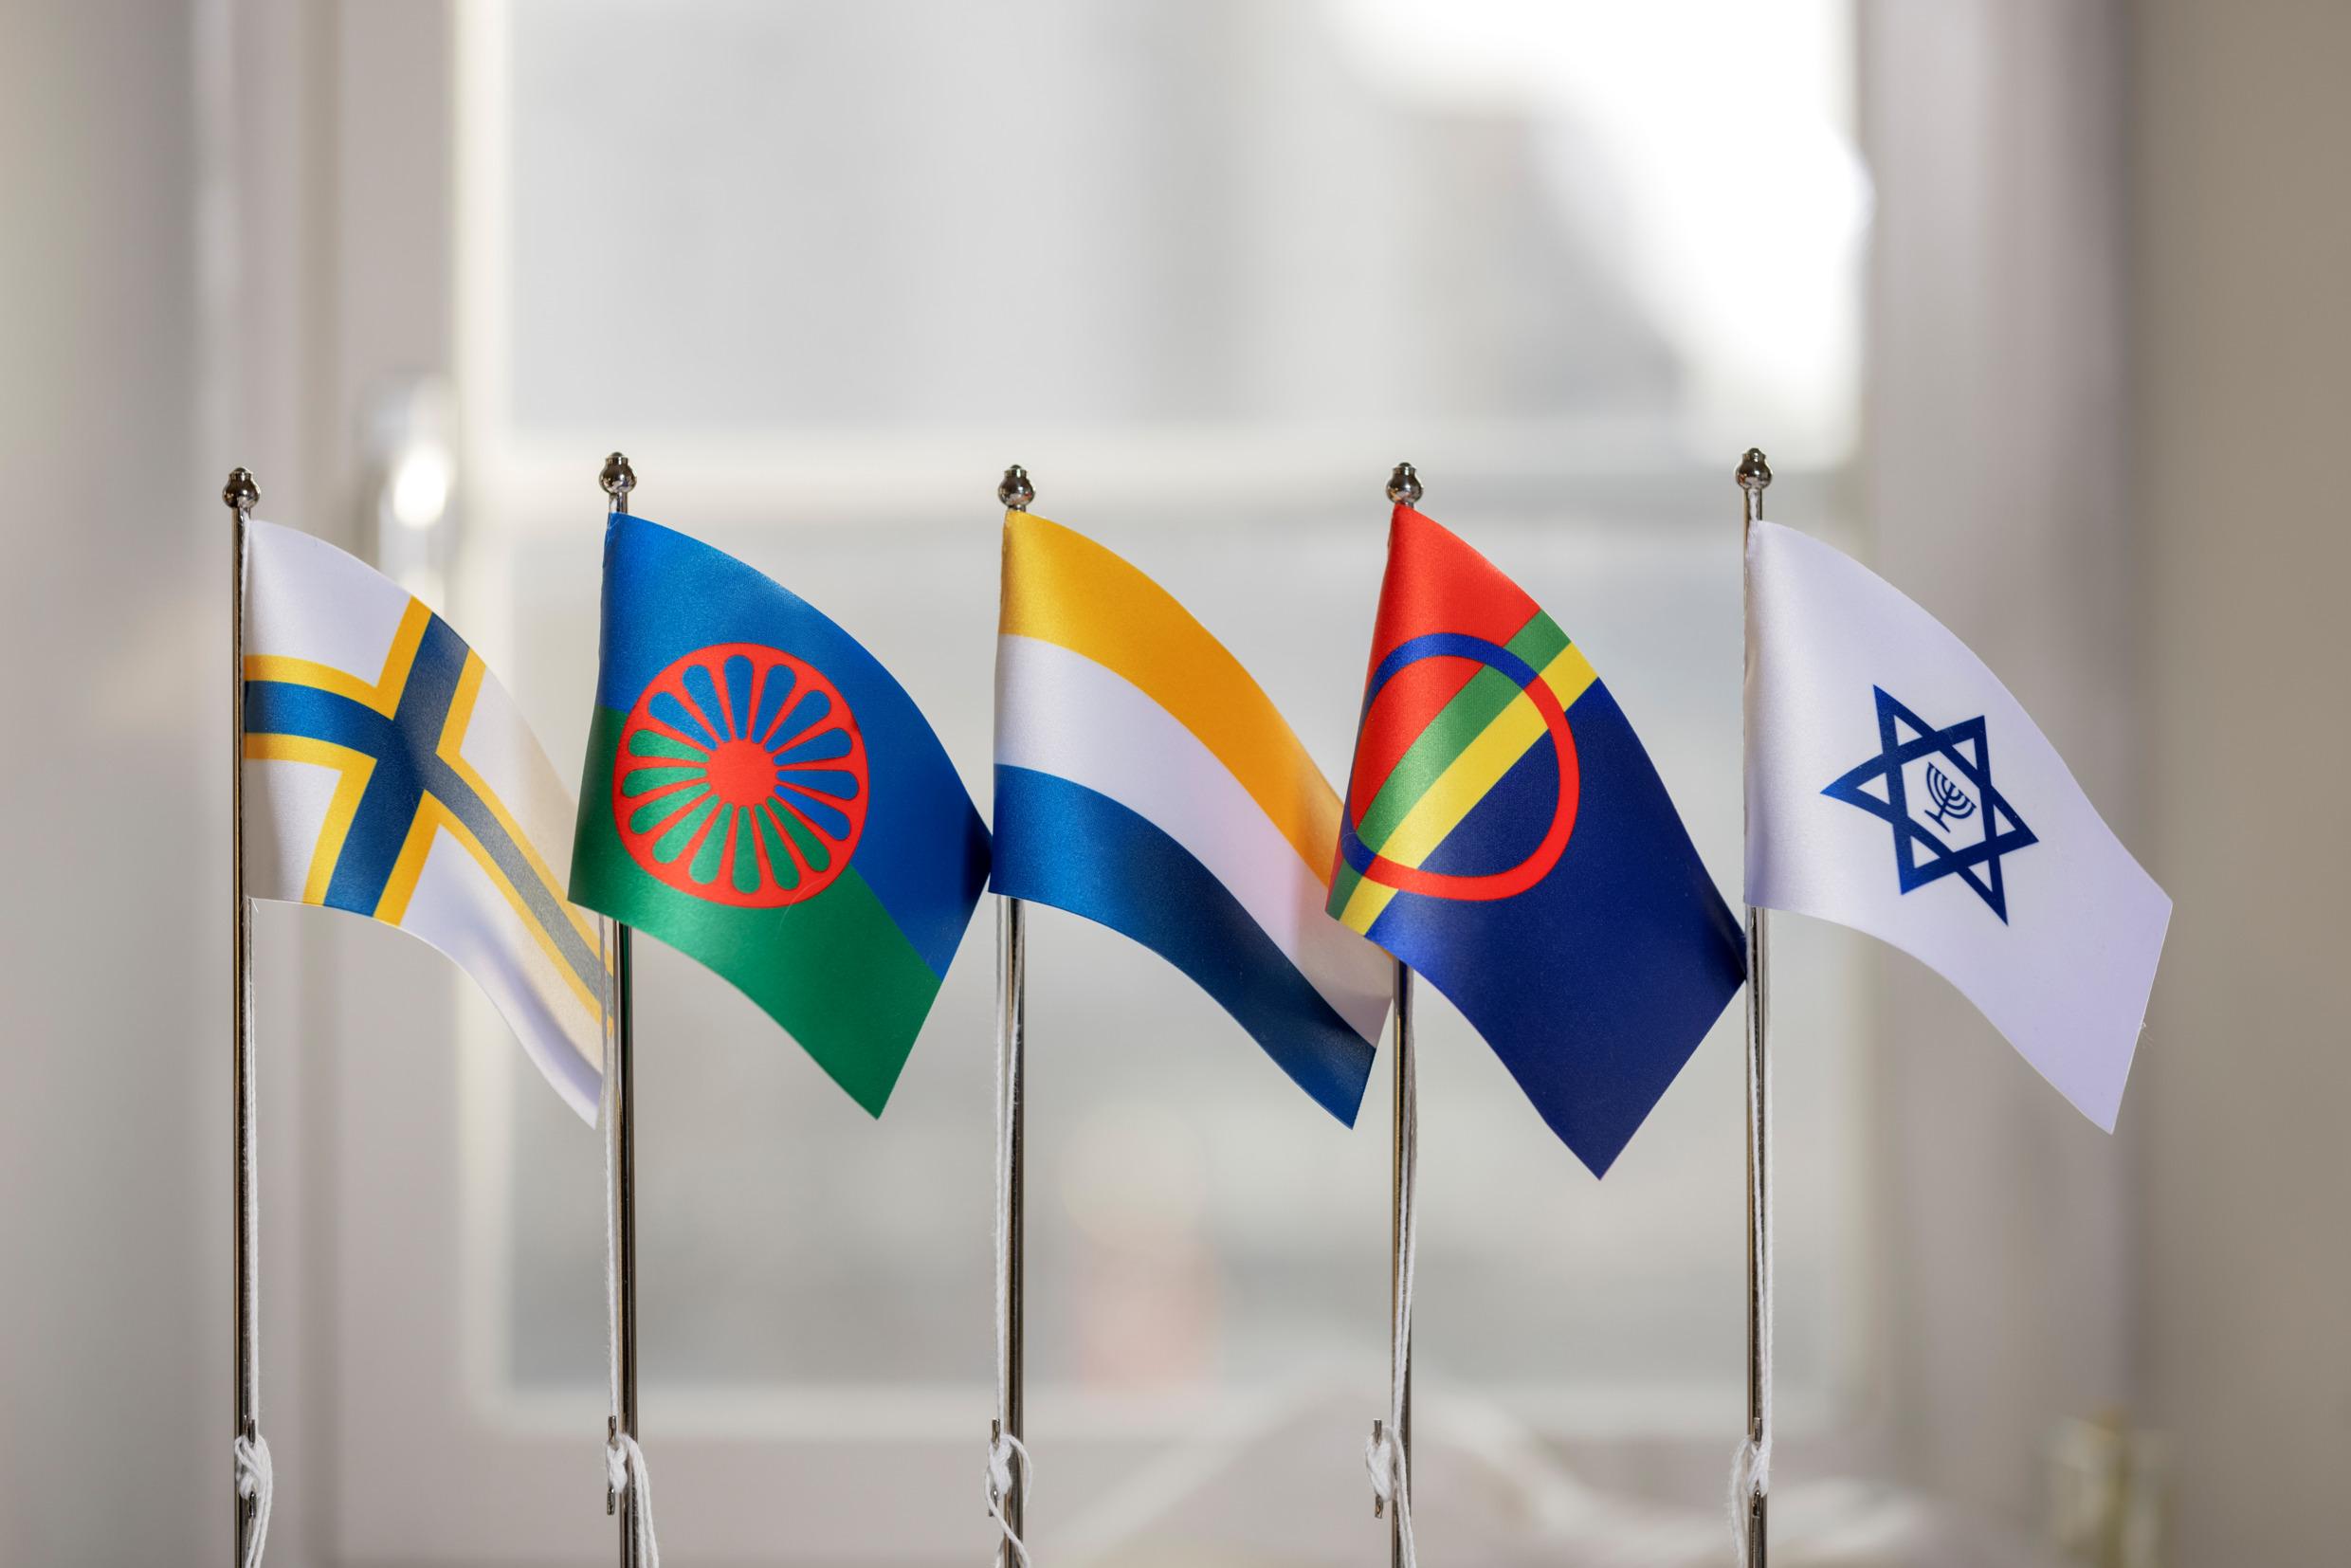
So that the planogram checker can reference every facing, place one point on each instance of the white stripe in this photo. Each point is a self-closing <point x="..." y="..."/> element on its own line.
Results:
<point x="1060" y="712"/>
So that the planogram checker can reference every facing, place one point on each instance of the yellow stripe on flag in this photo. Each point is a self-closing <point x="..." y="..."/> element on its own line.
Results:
<point x="1061" y="587"/>
<point x="353" y="770"/>
<point x="384" y="695"/>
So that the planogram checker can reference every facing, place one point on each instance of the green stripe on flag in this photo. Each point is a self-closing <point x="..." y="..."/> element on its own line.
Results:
<point x="1459" y="722"/>
<point x="835" y="972"/>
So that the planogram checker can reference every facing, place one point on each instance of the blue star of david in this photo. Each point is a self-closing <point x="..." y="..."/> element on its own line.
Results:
<point x="1919" y="856"/>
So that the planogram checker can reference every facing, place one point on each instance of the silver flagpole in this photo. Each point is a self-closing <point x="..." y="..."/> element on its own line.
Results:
<point x="1404" y="488"/>
<point x="241" y="495"/>
<point x="617" y="480"/>
<point x="1755" y="477"/>
<point x="1009" y="1476"/>
<point x="1404" y="1201"/>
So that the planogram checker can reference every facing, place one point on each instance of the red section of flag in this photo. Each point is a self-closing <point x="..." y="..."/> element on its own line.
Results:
<point x="1436" y="583"/>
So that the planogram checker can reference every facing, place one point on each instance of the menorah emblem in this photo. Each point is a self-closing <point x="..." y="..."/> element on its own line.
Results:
<point x="1950" y="801"/>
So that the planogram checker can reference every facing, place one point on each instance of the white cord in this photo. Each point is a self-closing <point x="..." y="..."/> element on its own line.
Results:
<point x="1004" y="1450"/>
<point x="1384" y="1451"/>
<point x="1004" y="1447"/>
<point x="257" y="1483"/>
<point x="623" y="1461"/>
<point x="626" y="1473"/>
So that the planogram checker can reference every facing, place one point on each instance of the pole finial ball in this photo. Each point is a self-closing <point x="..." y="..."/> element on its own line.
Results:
<point x="1404" y="486"/>
<point x="1754" y="473"/>
<point x="618" y="479"/>
<point x="241" y="493"/>
<point x="1016" y="492"/>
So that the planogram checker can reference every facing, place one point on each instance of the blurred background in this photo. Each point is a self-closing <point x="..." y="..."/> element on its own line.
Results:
<point x="2038" y="308"/>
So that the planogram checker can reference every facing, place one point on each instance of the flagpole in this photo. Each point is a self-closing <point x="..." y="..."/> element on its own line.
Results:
<point x="252" y="1469"/>
<point x="1008" y="1459"/>
<point x="1755" y="477"/>
<point x="1404" y="489"/>
<point x="1403" y="1212"/>
<point x="624" y="1483"/>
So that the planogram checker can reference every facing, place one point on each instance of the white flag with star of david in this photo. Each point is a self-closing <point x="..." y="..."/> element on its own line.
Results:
<point x="1894" y="785"/>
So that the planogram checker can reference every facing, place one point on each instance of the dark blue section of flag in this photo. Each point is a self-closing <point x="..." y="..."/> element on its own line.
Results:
<point x="1596" y="984"/>
<point x="1077" y="849"/>
<point x="924" y="850"/>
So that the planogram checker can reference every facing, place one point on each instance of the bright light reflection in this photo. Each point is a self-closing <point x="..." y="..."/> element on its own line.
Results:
<point x="420" y="487"/>
<point x="1726" y="164"/>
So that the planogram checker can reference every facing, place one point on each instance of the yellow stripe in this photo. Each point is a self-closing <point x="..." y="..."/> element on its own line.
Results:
<point x="355" y="768"/>
<point x="1061" y="587"/>
<point x="452" y="739"/>
<point x="384" y="695"/>
<point x="1466" y="781"/>
<point x="433" y="817"/>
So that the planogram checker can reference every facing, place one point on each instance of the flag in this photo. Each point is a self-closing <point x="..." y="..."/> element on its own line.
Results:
<point x="388" y="774"/>
<point x="1506" y="836"/>
<point x="1894" y="785"/>
<point x="762" y="795"/>
<point x="1146" y="781"/>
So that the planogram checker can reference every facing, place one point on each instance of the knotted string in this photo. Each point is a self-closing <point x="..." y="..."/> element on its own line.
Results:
<point x="1004" y="1447"/>
<point x="625" y="1471"/>
<point x="1384" y="1451"/>
<point x="623" y="1461"/>
<point x="256" y="1483"/>
<point x="1004" y="1452"/>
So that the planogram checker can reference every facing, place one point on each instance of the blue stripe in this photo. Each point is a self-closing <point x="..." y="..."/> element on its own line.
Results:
<point x="1596" y="984"/>
<point x="1062" y="843"/>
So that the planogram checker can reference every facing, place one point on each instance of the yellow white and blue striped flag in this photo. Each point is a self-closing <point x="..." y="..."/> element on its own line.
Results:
<point x="387" y="772"/>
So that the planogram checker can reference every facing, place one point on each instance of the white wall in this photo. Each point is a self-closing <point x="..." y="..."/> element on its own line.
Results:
<point x="117" y="568"/>
<point x="2243" y="136"/>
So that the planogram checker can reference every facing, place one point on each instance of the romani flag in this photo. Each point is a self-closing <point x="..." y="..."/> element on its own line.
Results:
<point x="761" y="794"/>
<point x="1505" y="835"/>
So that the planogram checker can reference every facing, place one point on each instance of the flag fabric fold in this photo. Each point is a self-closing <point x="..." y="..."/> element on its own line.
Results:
<point x="761" y="794"/>
<point x="388" y="774"/>
<point x="1146" y="781"/>
<point x="1894" y="785"/>
<point x="1507" y="835"/>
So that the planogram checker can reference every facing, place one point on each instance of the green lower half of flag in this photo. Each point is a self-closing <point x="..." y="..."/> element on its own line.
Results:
<point x="835" y="970"/>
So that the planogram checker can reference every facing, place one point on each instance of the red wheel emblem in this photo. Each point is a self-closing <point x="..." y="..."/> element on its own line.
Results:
<point x="741" y="777"/>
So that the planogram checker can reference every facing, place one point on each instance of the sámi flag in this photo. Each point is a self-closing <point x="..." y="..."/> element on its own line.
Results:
<point x="388" y="774"/>
<point x="1506" y="836"/>
<point x="762" y="794"/>
<point x="1146" y="781"/>
<point x="1894" y="785"/>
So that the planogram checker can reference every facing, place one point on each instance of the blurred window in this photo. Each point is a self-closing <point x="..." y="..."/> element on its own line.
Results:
<point x="1208" y="270"/>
